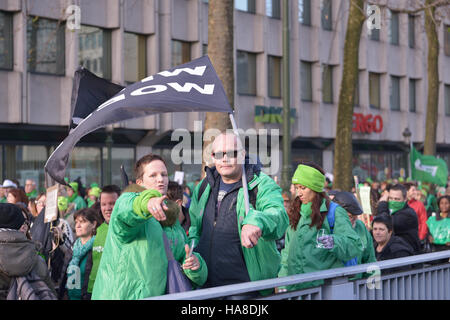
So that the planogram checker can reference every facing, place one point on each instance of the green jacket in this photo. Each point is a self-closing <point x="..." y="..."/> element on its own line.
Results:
<point x="3" y="200"/>
<point x="134" y="263"/>
<point x="368" y="253"/>
<point x="79" y="203"/>
<point x="439" y="230"/>
<point x="263" y="260"/>
<point x="300" y="254"/>
<point x="97" y="251"/>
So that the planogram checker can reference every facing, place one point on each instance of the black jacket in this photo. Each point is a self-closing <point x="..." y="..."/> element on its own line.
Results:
<point x="406" y="224"/>
<point x="395" y="248"/>
<point x="219" y="243"/>
<point x="18" y="257"/>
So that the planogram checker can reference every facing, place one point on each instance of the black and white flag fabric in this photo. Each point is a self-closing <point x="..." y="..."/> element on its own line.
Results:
<point x="89" y="91"/>
<point x="193" y="86"/>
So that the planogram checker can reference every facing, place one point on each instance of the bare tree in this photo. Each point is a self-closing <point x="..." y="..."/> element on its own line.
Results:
<point x="343" y="143"/>
<point x="221" y="53"/>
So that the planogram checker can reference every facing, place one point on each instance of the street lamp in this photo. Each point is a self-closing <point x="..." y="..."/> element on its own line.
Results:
<point x="407" y="136"/>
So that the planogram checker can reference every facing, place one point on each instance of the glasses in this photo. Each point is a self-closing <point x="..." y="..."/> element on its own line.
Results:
<point x="230" y="154"/>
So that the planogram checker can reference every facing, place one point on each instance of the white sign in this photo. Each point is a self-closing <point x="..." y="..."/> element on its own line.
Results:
<point x="51" y="206"/>
<point x="179" y="177"/>
<point x="364" y="195"/>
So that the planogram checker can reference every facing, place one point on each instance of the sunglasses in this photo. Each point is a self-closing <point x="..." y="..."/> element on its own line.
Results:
<point x="230" y="154"/>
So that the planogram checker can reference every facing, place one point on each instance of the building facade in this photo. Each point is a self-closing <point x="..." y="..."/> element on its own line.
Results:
<point x="41" y="45"/>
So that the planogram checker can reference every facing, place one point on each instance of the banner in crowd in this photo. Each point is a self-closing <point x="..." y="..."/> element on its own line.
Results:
<point x="193" y="86"/>
<point x="427" y="168"/>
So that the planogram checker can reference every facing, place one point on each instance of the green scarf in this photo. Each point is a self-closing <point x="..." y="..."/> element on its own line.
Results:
<point x="72" y="197"/>
<point x="395" y="206"/>
<point x="309" y="177"/>
<point x="80" y="251"/>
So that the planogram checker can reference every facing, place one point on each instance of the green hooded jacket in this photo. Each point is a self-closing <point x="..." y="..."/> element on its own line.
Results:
<point x="263" y="260"/>
<point x="134" y="264"/>
<point x="368" y="253"/>
<point x="301" y="255"/>
<point x="79" y="202"/>
<point x="97" y="251"/>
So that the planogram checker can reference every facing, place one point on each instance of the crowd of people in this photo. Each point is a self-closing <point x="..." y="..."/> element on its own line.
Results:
<point x="108" y="243"/>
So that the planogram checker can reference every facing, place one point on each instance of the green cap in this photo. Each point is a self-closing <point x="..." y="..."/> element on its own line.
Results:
<point x="95" y="191"/>
<point x="94" y="184"/>
<point x="74" y="186"/>
<point x="309" y="177"/>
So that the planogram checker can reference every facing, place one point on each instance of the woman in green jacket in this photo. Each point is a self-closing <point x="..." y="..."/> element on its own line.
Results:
<point x="134" y="264"/>
<point x="311" y="245"/>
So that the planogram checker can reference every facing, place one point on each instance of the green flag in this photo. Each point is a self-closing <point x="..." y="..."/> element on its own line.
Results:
<point x="428" y="168"/>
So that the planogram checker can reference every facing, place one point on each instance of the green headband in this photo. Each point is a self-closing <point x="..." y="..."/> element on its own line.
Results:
<point x="309" y="177"/>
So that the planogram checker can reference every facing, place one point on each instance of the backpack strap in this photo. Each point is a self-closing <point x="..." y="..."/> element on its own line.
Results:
<point x="203" y="186"/>
<point x="330" y="215"/>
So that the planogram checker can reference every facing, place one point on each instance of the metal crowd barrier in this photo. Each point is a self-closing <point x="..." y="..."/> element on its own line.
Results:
<point x="429" y="281"/>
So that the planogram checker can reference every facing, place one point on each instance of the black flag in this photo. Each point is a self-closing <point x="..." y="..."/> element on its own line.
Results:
<point x="193" y="86"/>
<point x="88" y="92"/>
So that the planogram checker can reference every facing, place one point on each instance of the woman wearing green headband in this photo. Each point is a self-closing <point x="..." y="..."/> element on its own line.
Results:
<point x="310" y="244"/>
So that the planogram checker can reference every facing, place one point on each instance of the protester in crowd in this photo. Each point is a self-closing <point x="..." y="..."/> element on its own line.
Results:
<point x="387" y="244"/>
<point x="348" y="201"/>
<point x="404" y="218"/>
<point x="93" y="195"/>
<point x="220" y="226"/>
<point x="18" y="255"/>
<point x="30" y="188"/>
<point x="439" y="226"/>
<point x="16" y="195"/>
<point x="74" y="196"/>
<point x="134" y="261"/>
<point x="108" y="198"/>
<point x="3" y="194"/>
<point x="431" y="201"/>
<point x="311" y="243"/>
<point x="175" y="193"/>
<point x="419" y="208"/>
<point x="86" y="225"/>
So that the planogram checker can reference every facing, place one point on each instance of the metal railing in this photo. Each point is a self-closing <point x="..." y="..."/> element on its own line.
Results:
<point x="429" y="281"/>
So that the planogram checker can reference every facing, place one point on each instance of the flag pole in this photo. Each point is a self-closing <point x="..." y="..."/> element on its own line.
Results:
<point x="409" y="160"/>
<point x="244" y="177"/>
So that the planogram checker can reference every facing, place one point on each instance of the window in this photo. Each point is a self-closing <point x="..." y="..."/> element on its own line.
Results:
<point x="29" y="164"/>
<point x="447" y="99"/>
<point x="412" y="95"/>
<point x="394" y="93"/>
<point x="326" y="15"/>
<point x="327" y="83"/>
<point x="181" y="52"/>
<point x="135" y="53"/>
<point x="96" y="47"/>
<point x="306" y="81"/>
<point x="393" y="28"/>
<point x="46" y="46"/>
<point x="119" y="156"/>
<point x="246" y="73"/>
<point x="245" y="5"/>
<point x="274" y="77"/>
<point x="374" y="90"/>
<point x="304" y="12"/>
<point x="273" y="9"/>
<point x="411" y="31"/>
<point x="204" y="49"/>
<point x="6" y="40"/>
<point x="374" y="34"/>
<point x="85" y="163"/>
<point x="447" y="40"/>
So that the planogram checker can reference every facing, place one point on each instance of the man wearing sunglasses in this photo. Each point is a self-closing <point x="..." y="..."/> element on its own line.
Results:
<point x="236" y="247"/>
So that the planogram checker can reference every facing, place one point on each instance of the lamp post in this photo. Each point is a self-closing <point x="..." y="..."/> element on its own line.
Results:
<point x="407" y="136"/>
